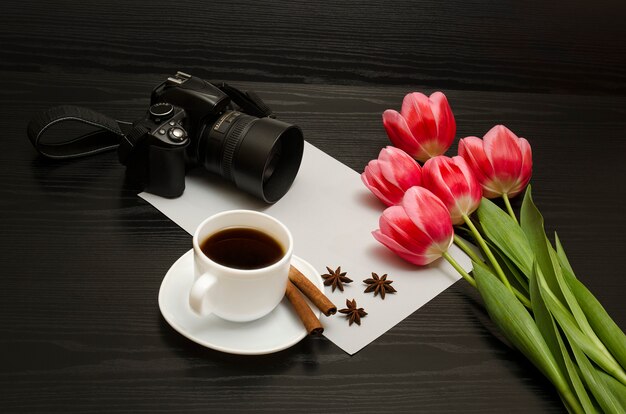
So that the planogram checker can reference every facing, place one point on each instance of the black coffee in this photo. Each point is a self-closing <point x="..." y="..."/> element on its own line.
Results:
<point x="242" y="248"/>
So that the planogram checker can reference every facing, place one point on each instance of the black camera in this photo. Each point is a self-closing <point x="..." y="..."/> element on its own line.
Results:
<point x="192" y="122"/>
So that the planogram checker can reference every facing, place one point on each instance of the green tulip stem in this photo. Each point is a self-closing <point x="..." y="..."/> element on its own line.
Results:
<point x="525" y="301"/>
<point x="507" y="203"/>
<point x="522" y="298"/>
<point x="459" y="269"/>
<point x="466" y="249"/>
<point x="488" y="253"/>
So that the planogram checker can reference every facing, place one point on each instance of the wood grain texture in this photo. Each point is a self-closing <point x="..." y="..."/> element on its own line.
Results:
<point x="532" y="46"/>
<point x="83" y="258"/>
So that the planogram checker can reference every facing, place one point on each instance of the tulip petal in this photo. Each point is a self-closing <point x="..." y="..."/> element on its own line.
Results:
<point x="475" y="192"/>
<point x="501" y="162"/>
<point x="446" y="124"/>
<point x="472" y="151"/>
<point x="429" y="214"/>
<point x="402" y="252"/>
<point x="502" y="150"/>
<point x="399" y="168"/>
<point x="453" y="182"/>
<point x="373" y="179"/>
<point x="376" y="191"/>
<point x="433" y="179"/>
<point x="492" y="189"/>
<point x="396" y="224"/>
<point x="429" y="121"/>
<point x="419" y="117"/>
<point x="400" y="135"/>
<point x="526" y="168"/>
<point x="391" y="174"/>
<point x="405" y="235"/>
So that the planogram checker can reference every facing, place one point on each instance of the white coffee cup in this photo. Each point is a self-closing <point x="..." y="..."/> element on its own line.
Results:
<point x="239" y="295"/>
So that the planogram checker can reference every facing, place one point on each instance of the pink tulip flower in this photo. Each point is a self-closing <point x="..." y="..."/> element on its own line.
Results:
<point x="419" y="229"/>
<point x="424" y="128"/>
<point x="453" y="182"/>
<point x="389" y="176"/>
<point x="501" y="161"/>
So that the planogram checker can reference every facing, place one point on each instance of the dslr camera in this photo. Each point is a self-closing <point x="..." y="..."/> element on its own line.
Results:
<point x="231" y="133"/>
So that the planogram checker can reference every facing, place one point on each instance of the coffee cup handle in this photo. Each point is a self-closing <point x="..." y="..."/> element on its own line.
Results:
<point x="200" y="288"/>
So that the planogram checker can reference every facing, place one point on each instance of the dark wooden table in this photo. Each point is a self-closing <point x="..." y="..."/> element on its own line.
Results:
<point x="82" y="257"/>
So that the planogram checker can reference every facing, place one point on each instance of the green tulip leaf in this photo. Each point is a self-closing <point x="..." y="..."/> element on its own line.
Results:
<point x="543" y="319"/>
<point x="548" y="261"/>
<point x="531" y="222"/>
<point x="615" y="387"/>
<point x="567" y="322"/>
<point x="520" y="328"/>
<point x="603" y="325"/>
<point x="595" y="383"/>
<point x="575" y="380"/>
<point x="560" y="252"/>
<point x="572" y="302"/>
<point x="519" y="280"/>
<point x="548" y="328"/>
<point x="504" y="232"/>
<point x="607" y="330"/>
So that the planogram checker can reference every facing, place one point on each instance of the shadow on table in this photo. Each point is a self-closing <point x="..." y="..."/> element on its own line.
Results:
<point x="97" y="178"/>
<point x="303" y="356"/>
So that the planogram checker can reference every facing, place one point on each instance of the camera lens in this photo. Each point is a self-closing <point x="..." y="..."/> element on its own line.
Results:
<point x="260" y="155"/>
<point x="272" y="161"/>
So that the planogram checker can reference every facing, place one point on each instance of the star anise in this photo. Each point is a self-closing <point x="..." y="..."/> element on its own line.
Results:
<point x="353" y="313"/>
<point x="378" y="285"/>
<point x="335" y="278"/>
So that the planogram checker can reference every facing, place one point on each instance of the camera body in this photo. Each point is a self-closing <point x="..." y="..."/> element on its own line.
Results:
<point x="231" y="133"/>
<point x="154" y="150"/>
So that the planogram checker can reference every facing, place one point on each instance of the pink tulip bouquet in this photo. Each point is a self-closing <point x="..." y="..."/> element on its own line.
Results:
<point x="527" y="284"/>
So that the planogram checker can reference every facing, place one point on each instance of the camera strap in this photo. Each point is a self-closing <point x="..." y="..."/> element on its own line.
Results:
<point x="105" y="133"/>
<point x="249" y="102"/>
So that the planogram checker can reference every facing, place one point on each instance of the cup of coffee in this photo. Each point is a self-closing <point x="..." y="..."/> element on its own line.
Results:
<point x="241" y="265"/>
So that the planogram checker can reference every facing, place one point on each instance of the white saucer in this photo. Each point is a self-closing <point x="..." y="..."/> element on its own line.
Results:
<point x="277" y="331"/>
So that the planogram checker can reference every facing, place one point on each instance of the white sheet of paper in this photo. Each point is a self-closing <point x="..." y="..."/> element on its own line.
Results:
<point x="331" y="215"/>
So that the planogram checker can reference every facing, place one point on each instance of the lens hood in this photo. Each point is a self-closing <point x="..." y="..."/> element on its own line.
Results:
<point x="267" y="158"/>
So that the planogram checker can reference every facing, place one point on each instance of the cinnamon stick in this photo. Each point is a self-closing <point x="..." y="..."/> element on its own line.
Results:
<point x="306" y="315"/>
<point x="311" y="291"/>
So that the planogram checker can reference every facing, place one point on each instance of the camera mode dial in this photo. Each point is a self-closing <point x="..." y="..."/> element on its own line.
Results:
<point x="161" y="111"/>
<point x="170" y="130"/>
